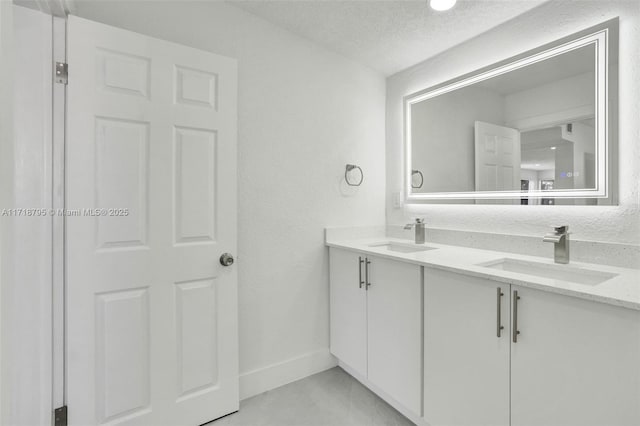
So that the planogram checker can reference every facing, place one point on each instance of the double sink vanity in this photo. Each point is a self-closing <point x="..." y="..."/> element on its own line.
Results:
<point x="454" y="335"/>
<point x="451" y="335"/>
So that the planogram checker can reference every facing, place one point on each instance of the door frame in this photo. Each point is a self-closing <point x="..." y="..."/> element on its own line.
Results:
<point x="58" y="249"/>
<point x="22" y="402"/>
<point x="6" y="169"/>
<point x="59" y="10"/>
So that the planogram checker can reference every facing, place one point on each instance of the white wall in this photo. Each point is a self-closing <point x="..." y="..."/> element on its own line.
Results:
<point x="544" y="24"/>
<point x="304" y="113"/>
<point x="26" y="266"/>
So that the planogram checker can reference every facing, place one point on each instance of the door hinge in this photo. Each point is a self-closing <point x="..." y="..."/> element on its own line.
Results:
<point x="62" y="73"/>
<point x="60" y="416"/>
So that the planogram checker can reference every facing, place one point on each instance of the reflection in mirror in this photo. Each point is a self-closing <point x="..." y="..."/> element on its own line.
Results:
<point x="530" y="129"/>
<point x="558" y="157"/>
<point x="505" y="122"/>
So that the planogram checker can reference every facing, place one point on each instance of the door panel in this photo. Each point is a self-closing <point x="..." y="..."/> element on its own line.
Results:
<point x="348" y="305"/>
<point x="122" y="386"/>
<point x="394" y="304"/>
<point x="194" y="178"/>
<point x="196" y="306"/>
<point x="122" y="179"/>
<point x="151" y="150"/>
<point x="466" y="380"/>
<point x="575" y="362"/>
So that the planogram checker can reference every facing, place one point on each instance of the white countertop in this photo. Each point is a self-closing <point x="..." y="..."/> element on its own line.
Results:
<point x="622" y="290"/>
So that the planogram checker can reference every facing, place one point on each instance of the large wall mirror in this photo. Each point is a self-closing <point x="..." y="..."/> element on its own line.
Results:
<point x="540" y="128"/>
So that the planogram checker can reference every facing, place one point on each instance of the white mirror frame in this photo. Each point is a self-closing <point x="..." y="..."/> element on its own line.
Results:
<point x="605" y="39"/>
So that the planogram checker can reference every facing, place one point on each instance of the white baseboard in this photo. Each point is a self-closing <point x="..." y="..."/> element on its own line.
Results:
<point x="275" y="375"/>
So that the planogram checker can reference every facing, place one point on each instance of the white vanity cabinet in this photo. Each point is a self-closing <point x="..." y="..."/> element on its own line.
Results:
<point x="573" y="363"/>
<point x="394" y="330"/>
<point x="348" y="309"/>
<point x="466" y="363"/>
<point x="376" y="323"/>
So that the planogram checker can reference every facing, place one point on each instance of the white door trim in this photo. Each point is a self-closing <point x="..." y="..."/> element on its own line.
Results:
<point x="6" y="168"/>
<point x="58" y="204"/>
<point x="27" y="338"/>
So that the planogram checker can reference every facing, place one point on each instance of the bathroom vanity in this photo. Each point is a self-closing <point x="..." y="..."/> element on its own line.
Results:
<point x="376" y="325"/>
<point x="450" y="335"/>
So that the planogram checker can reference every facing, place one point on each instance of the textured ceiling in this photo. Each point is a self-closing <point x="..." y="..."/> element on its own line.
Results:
<point x="389" y="35"/>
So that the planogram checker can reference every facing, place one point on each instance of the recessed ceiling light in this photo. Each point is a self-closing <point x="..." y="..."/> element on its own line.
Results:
<point x="553" y="147"/>
<point x="442" y="4"/>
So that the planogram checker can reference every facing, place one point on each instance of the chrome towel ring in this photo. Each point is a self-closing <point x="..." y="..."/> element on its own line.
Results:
<point x="346" y="175"/>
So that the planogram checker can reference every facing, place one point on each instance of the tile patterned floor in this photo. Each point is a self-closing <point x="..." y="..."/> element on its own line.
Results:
<point x="330" y="398"/>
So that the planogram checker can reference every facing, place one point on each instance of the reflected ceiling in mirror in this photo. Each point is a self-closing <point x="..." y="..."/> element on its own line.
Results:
<point x="535" y="129"/>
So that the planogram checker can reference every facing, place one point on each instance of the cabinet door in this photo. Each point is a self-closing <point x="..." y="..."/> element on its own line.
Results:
<point x="576" y="362"/>
<point x="395" y="330"/>
<point x="348" y="309"/>
<point x="466" y="364"/>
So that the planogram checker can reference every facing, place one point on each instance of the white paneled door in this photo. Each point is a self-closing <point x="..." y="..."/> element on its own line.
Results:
<point x="497" y="157"/>
<point x="151" y="199"/>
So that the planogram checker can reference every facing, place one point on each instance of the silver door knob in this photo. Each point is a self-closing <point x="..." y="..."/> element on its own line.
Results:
<point x="226" y="259"/>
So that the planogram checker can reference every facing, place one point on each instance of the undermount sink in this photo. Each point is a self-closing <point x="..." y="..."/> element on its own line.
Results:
<point x="553" y="271"/>
<point x="402" y="248"/>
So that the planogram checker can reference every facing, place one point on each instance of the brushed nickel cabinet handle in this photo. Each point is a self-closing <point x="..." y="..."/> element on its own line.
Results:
<point x="515" y="316"/>
<point x="499" y="326"/>
<point x="366" y="274"/>
<point x="360" y="262"/>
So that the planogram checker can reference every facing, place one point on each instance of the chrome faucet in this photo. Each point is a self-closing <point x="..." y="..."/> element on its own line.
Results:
<point x="418" y="225"/>
<point x="560" y="240"/>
